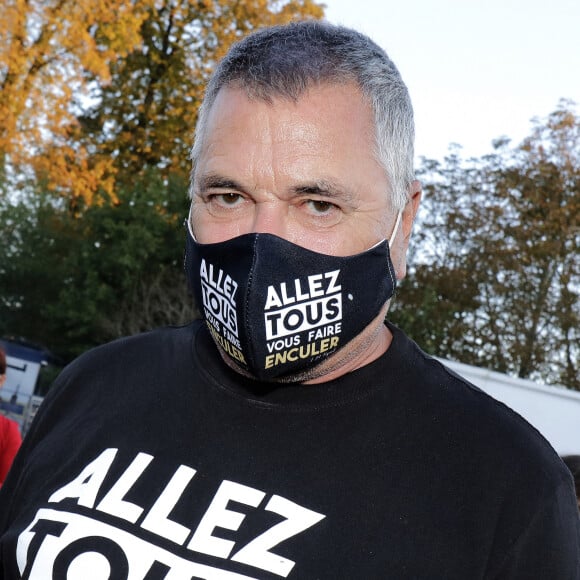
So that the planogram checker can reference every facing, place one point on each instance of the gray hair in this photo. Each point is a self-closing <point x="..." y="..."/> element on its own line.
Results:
<point x="284" y="61"/>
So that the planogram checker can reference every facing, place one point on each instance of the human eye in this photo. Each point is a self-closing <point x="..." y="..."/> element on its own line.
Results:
<point x="319" y="212"/>
<point x="322" y="209"/>
<point x="219" y="193"/>
<point x="225" y="200"/>
<point x="320" y="206"/>
<point x="321" y="202"/>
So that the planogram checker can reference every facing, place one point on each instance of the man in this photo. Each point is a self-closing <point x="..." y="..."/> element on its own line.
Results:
<point x="292" y="433"/>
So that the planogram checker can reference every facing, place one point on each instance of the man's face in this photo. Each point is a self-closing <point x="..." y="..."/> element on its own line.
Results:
<point x="304" y="171"/>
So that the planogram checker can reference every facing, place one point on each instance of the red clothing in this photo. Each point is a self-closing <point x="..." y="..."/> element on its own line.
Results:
<point x="10" y="440"/>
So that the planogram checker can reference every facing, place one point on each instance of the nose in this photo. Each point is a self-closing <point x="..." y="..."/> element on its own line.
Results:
<point x="270" y="217"/>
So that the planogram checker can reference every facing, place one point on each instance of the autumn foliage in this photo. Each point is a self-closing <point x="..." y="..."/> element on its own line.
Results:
<point x="495" y="280"/>
<point x="94" y="91"/>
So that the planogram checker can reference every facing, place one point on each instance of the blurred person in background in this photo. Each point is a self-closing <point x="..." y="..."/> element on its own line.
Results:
<point x="10" y="438"/>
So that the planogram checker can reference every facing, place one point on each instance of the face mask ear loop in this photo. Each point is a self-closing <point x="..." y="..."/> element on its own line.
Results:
<point x="395" y="229"/>
<point x="188" y="223"/>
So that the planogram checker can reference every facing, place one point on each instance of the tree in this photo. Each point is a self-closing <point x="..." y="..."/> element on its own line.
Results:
<point x="94" y="92"/>
<point x="497" y="278"/>
<point x="150" y="107"/>
<point x="71" y="283"/>
<point x="48" y="49"/>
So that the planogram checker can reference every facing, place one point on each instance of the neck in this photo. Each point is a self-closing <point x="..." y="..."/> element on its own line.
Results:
<point x="361" y="351"/>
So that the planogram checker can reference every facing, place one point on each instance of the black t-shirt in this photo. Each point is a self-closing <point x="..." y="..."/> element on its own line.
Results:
<point x="151" y="460"/>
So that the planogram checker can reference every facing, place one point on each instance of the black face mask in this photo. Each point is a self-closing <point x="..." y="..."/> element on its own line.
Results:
<point x="277" y="309"/>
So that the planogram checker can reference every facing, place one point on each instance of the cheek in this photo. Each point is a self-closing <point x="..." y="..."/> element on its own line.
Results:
<point x="363" y="234"/>
<point x="317" y="242"/>
<point x="208" y="232"/>
<point x="196" y="221"/>
<point x="200" y="225"/>
<point x="203" y="225"/>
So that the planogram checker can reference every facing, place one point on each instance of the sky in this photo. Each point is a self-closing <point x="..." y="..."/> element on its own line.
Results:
<point x="476" y="69"/>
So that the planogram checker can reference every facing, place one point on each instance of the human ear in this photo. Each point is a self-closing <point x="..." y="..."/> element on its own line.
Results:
<point x="409" y="212"/>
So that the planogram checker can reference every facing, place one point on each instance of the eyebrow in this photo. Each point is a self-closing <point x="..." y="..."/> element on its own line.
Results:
<point x="323" y="187"/>
<point x="215" y="181"/>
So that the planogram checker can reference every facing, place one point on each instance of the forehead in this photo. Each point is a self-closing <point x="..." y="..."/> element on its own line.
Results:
<point x="331" y="98"/>
<point x="329" y="126"/>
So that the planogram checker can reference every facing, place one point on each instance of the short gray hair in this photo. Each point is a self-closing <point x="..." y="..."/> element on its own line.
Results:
<point x="284" y="61"/>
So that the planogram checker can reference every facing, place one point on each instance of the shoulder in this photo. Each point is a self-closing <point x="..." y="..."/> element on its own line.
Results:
<point x="120" y="370"/>
<point x="477" y="443"/>
<point x="162" y="339"/>
<point x="139" y="353"/>
<point x="476" y="428"/>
